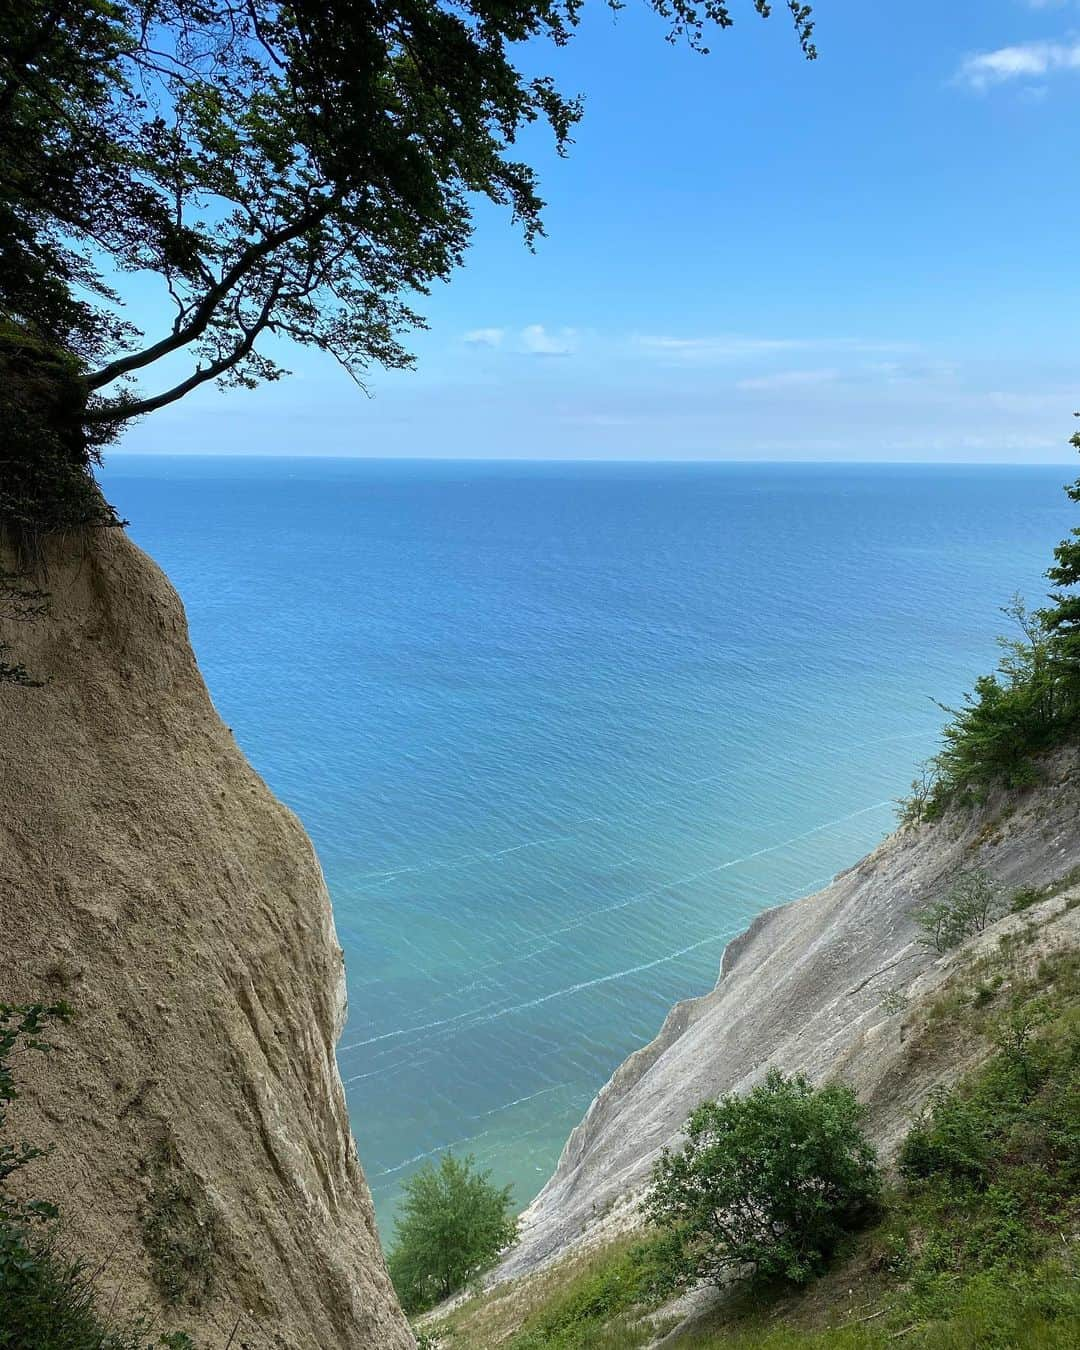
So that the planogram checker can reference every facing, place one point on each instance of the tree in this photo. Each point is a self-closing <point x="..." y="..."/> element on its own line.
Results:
<point x="300" y="168"/>
<point x="1027" y="707"/>
<point x="453" y="1223"/>
<point x="772" y="1181"/>
<point x="1062" y="618"/>
<point x="970" y="903"/>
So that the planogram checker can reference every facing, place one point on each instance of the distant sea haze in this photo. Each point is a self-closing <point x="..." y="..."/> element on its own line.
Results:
<point x="559" y="731"/>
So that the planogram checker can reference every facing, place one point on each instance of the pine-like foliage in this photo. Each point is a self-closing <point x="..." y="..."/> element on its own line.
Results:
<point x="1026" y="708"/>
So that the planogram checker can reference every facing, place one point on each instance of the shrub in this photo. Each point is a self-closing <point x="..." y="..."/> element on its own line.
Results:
<point x="22" y="1027"/>
<point x="453" y="1224"/>
<point x="971" y="902"/>
<point x="951" y="1138"/>
<point x="1023" y="1107"/>
<point x="49" y="1302"/>
<point x="774" y="1180"/>
<point x="594" y="1302"/>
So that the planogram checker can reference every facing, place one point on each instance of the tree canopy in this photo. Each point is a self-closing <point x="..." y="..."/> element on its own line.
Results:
<point x="773" y="1181"/>
<point x="1028" y="707"/>
<point x="452" y="1224"/>
<point x="304" y="168"/>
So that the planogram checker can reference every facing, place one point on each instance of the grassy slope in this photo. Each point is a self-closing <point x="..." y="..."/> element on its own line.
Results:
<point x="952" y="1264"/>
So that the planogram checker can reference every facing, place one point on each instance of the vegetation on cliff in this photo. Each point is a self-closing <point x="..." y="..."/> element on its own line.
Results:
<point x="1029" y="705"/>
<point x="975" y="1245"/>
<point x="772" y="1182"/>
<point x="452" y="1224"/>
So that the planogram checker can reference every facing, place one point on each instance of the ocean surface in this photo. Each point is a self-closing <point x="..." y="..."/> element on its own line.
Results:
<point x="560" y="730"/>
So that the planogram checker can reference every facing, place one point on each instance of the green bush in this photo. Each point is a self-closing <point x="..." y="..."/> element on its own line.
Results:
<point x="582" y="1313"/>
<point x="950" y="1139"/>
<point x="970" y="903"/>
<point x="49" y="1302"/>
<point x="773" y="1181"/>
<point x="1022" y="1111"/>
<point x="452" y="1225"/>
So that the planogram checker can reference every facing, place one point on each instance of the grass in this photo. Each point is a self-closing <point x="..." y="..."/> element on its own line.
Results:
<point x="592" y="1298"/>
<point x="50" y="1302"/>
<point x="180" y="1232"/>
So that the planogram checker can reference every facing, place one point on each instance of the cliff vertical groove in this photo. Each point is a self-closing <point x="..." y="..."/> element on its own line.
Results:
<point x="148" y="877"/>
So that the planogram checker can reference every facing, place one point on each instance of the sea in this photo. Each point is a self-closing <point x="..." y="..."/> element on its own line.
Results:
<point x="560" y="730"/>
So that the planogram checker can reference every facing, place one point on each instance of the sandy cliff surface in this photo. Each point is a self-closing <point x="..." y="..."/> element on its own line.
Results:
<point x="147" y="876"/>
<point x="801" y="990"/>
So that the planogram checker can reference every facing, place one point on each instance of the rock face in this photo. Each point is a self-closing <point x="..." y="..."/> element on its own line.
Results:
<point x="202" y="1153"/>
<point x="802" y="990"/>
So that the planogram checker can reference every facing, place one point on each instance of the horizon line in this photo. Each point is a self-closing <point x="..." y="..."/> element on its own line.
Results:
<point x="1064" y="460"/>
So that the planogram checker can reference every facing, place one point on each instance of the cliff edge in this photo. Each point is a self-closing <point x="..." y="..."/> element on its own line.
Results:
<point x="807" y="988"/>
<point x="202" y="1154"/>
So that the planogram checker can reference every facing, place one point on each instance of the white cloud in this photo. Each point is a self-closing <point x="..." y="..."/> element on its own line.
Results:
<point x="734" y="347"/>
<point x="788" y="379"/>
<point x="1025" y="60"/>
<point x="537" y="341"/>
<point x="727" y="347"/>
<point x="485" y="337"/>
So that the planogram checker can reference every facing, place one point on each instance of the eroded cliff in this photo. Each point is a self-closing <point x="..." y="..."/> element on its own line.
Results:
<point x="201" y="1148"/>
<point x="806" y="989"/>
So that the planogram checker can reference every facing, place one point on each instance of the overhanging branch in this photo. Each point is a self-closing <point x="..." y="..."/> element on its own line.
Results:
<point x="126" y="411"/>
<point x="203" y="315"/>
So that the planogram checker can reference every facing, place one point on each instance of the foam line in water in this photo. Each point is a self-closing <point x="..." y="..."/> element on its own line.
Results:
<point x="419" y="1157"/>
<point x="807" y="889"/>
<point x="467" y="859"/>
<point x="604" y="979"/>
<point x="519" y="1100"/>
<point x="423" y="1026"/>
<point x="382" y="878"/>
<point x="711" y="871"/>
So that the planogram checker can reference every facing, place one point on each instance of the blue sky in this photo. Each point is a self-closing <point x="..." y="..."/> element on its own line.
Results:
<point x="750" y="257"/>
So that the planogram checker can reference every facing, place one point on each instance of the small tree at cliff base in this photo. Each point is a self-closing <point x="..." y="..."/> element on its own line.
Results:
<point x="452" y="1225"/>
<point x="771" y="1182"/>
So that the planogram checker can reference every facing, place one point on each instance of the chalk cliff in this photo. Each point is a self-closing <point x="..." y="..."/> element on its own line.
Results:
<point x="806" y="988"/>
<point x="202" y="1153"/>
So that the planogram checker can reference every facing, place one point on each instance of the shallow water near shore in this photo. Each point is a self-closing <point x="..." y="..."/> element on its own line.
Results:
<point x="559" y="731"/>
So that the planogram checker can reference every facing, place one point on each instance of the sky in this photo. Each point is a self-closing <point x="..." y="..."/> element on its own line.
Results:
<point x="748" y="256"/>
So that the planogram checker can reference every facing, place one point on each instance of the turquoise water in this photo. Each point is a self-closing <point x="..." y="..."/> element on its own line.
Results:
<point x="560" y="730"/>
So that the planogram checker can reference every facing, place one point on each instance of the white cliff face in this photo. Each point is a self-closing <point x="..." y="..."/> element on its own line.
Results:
<point x="801" y="991"/>
<point x="149" y="878"/>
